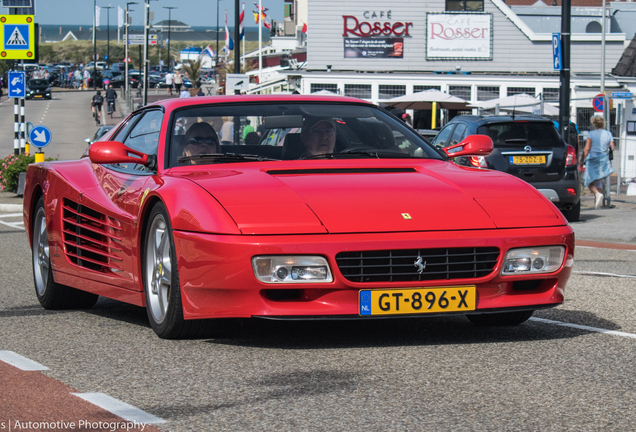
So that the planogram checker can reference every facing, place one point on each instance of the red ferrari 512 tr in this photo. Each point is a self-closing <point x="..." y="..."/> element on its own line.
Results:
<point x="289" y="207"/>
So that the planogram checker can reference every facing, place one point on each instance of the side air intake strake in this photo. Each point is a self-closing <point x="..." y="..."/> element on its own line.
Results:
<point x="342" y="171"/>
<point x="90" y="238"/>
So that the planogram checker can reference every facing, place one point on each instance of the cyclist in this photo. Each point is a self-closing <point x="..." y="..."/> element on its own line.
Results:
<point x="96" y="105"/>
<point x="111" y="95"/>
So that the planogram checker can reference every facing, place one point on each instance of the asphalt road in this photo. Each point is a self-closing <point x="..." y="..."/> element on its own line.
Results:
<point x="571" y="368"/>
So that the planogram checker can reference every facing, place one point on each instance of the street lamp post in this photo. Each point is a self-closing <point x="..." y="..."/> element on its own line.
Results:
<point x="94" y="45"/>
<point x="108" y="8"/>
<point x="146" y="61"/>
<point x="169" y="61"/>
<point x="216" y="61"/>
<point x="127" y="43"/>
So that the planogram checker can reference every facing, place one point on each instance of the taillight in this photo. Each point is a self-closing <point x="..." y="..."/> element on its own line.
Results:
<point x="570" y="159"/>
<point x="478" y="161"/>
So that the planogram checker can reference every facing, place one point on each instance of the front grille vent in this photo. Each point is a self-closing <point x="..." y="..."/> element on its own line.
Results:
<point x="342" y="171"/>
<point x="400" y="265"/>
<point x="91" y="238"/>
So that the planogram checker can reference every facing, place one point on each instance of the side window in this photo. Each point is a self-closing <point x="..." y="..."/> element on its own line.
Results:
<point x="144" y="136"/>
<point x="443" y="137"/>
<point x="458" y="134"/>
<point x="123" y="132"/>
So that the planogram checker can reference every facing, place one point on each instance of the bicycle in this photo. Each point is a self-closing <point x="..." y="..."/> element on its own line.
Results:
<point x="111" y="107"/>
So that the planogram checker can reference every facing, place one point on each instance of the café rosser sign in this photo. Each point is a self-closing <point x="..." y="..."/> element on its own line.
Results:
<point x="372" y="24"/>
<point x="461" y="36"/>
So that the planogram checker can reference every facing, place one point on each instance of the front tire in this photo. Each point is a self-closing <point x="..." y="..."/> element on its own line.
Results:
<point x="500" y="319"/>
<point x="52" y="295"/>
<point x="161" y="280"/>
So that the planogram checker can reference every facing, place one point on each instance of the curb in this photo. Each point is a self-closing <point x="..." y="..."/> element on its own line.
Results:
<point x="11" y="207"/>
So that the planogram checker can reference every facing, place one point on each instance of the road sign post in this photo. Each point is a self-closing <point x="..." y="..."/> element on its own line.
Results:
<point x="40" y="136"/>
<point x="17" y="33"/>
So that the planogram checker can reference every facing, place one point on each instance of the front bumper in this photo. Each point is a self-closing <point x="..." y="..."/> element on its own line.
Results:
<point x="217" y="280"/>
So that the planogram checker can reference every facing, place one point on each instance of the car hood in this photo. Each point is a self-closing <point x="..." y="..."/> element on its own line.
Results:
<point x="376" y="197"/>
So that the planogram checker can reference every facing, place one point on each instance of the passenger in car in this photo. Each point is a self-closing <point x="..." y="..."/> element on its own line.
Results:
<point x="201" y="138"/>
<point x="318" y="136"/>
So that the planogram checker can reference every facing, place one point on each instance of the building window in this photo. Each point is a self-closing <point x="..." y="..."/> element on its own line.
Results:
<point x="487" y="93"/>
<point x="465" y="5"/>
<point x="419" y="88"/>
<point x="391" y="91"/>
<point x="551" y="94"/>
<point x="361" y="91"/>
<point x="316" y="87"/>
<point x="521" y="90"/>
<point x="460" y="92"/>
<point x="594" y="27"/>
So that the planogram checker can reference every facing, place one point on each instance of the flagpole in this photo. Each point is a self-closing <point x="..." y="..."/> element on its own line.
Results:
<point x="260" y="43"/>
<point x="243" y="35"/>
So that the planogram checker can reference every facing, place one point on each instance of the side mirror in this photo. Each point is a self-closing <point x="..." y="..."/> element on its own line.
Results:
<point x="473" y="145"/>
<point x="113" y="152"/>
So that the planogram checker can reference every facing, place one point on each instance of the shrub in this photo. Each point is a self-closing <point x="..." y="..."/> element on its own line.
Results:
<point x="11" y="168"/>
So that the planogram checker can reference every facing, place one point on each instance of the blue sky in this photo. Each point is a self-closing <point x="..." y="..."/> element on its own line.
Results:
<point x="191" y="12"/>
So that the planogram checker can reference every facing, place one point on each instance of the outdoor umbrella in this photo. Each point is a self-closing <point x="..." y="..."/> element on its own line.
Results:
<point x="424" y="100"/>
<point x="518" y="103"/>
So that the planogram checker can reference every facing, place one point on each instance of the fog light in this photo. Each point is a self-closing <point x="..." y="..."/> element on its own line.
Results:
<point x="544" y="259"/>
<point x="291" y="269"/>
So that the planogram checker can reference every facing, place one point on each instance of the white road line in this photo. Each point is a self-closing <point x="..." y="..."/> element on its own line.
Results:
<point x="594" y="247"/>
<point x="18" y="224"/>
<point x="603" y="274"/>
<point x="119" y="408"/>
<point x="588" y="328"/>
<point x="23" y="363"/>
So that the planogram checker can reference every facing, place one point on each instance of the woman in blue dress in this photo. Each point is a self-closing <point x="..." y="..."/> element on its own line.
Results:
<point x="596" y="156"/>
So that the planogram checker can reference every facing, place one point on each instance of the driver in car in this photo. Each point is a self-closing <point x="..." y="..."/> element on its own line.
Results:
<point x="201" y="138"/>
<point x="318" y="136"/>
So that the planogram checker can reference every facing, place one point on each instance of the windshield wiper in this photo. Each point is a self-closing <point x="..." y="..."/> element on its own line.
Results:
<point x="224" y="157"/>
<point x="378" y="154"/>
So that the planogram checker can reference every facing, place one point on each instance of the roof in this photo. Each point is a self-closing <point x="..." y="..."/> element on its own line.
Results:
<point x="175" y="103"/>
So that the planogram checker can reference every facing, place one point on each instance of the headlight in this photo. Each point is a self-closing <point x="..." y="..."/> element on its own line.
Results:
<point x="535" y="260"/>
<point x="291" y="269"/>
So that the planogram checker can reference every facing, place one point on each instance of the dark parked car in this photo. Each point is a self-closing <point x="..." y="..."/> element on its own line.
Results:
<point x="528" y="147"/>
<point x="121" y="66"/>
<point x="98" y="134"/>
<point x="38" y="89"/>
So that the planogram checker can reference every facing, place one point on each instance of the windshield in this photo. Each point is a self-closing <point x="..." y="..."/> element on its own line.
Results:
<point x="38" y="82"/>
<point x="287" y="131"/>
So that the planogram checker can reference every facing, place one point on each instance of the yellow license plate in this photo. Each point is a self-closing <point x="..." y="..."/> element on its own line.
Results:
<point x="527" y="160"/>
<point x="417" y="300"/>
<point x="38" y="95"/>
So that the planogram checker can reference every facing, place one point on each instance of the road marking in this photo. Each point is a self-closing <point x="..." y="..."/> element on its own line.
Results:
<point x="591" y="273"/>
<point x="18" y="225"/>
<point x="582" y="327"/>
<point x="119" y="408"/>
<point x="23" y="363"/>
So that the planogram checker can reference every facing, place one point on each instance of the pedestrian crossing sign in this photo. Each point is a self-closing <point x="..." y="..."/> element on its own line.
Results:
<point x="18" y="37"/>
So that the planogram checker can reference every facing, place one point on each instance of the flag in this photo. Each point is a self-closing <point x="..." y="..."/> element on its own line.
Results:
<point x="262" y="9"/>
<point x="241" y="27"/>
<point x="97" y="11"/>
<point x="267" y="24"/>
<point x="120" y="16"/>
<point x="229" y="43"/>
<point x="207" y="51"/>
<point x="256" y="15"/>
<point x="304" y="27"/>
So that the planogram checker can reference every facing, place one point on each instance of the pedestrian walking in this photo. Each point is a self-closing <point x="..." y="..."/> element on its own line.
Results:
<point x="597" y="160"/>
<point x="178" y="81"/>
<point x="169" y="82"/>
